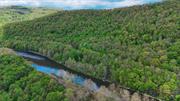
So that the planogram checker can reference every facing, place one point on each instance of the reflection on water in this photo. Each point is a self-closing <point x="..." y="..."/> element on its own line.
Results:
<point x="26" y="55"/>
<point x="47" y="66"/>
<point x="65" y="75"/>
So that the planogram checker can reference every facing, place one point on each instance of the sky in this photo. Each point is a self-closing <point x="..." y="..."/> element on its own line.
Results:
<point x="76" y="4"/>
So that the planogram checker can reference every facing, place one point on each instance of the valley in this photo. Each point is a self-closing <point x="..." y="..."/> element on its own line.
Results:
<point x="136" y="47"/>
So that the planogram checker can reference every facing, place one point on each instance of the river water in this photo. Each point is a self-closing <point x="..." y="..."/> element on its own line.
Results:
<point x="47" y="66"/>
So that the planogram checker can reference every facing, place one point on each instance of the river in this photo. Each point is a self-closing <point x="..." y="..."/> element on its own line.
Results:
<point x="50" y="67"/>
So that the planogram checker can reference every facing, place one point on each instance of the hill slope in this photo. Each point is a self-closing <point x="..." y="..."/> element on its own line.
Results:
<point x="17" y="13"/>
<point x="138" y="47"/>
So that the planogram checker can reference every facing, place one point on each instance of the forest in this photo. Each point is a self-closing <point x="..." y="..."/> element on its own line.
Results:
<point x="136" y="47"/>
<point x="20" y="82"/>
<point x="17" y="13"/>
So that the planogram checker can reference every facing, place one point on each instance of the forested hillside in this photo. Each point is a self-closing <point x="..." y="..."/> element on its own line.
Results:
<point x="17" y="13"/>
<point x="20" y="82"/>
<point x="136" y="47"/>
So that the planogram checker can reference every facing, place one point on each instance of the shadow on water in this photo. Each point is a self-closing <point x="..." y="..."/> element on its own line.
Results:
<point x="48" y="66"/>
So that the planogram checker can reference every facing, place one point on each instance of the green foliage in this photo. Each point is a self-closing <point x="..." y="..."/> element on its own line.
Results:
<point x="5" y="96"/>
<point x="138" y="45"/>
<point x="20" y="82"/>
<point x="177" y="97"/>
<point x="17" y="13"/>
<point x="54" y="96"/>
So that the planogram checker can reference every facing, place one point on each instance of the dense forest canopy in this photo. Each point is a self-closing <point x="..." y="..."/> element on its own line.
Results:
<point x="17" y="13"/>
<point x="20" y="82"/>
<point x="137" y="47"/>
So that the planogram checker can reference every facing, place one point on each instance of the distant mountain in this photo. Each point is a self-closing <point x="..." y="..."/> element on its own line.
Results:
<point x="19" y="13"/>
<point x="21" y="10"/>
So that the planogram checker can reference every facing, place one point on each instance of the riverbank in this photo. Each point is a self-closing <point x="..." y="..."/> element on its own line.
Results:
<point x="83" y="87"/>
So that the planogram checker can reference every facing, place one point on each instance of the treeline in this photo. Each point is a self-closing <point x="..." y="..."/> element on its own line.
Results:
<point x="20" y="82"/>
<point x="138" y="47"/>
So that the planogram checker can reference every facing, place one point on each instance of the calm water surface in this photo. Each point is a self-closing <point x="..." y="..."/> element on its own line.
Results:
<point x="47" y="66"/>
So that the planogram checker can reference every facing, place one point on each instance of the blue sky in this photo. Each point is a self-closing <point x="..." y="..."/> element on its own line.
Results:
<point x="77" y="4"/>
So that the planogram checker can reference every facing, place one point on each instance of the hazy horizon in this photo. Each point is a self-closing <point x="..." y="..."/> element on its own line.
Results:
<point x="76" y="4"/>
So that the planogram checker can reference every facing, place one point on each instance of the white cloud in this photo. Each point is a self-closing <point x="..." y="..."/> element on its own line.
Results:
<point x="83" y="3"/>
<point x="73" y="4"/>
<point x="20" y="2"/>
